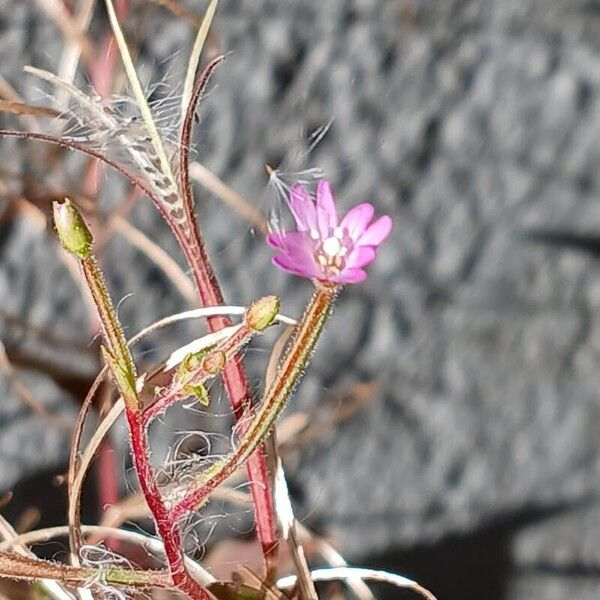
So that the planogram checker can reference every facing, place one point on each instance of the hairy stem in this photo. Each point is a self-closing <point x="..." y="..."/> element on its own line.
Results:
<point x="168" y="531"/>
<point x="26" y="568"/>
<point x="294" y="364"/>
<point x="120" y="361"/>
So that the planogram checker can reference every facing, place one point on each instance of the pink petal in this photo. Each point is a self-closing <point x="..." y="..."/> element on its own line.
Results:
<point x="357" y="219"/>
<point x="296" y="253"/>
<point x="275" y="240"/>
<point x="376" y="232"/>
<point x="289" y="239"/>
<point x="349" y="276"/>
<point x="293" y="265"/>
<point x="361" y="256"/>
<point x="326" y="214"/>
<point x="303" y="208"/>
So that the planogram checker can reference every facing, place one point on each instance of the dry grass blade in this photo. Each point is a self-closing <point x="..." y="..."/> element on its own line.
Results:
<point x="285" y="516"/>
<point x="69" y="26"/>
<point x="336" y="573"/>
<point x="138" y="92"/>
<point x="150" y="544"/>
<point x="76" y="482"/>
<point x="221" y="190"/>
<point x="26" y="396"/>
<point x="335" y="559"/>
<point x="190" y="75"/>
<point x="158" y="256"/>
<point x="73" y="50"/>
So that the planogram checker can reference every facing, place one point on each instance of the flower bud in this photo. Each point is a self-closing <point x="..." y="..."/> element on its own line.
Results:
<point x="214" y="362"/>
<point x="262" y="313"/>
<point x="73" y="233"/>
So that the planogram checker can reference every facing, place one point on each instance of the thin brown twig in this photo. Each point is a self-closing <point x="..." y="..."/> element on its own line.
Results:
<point x="179" y="10"/>
<point x="8" y="92"/>
<point x="20" y="108"/>
<point x="69" y="26"/>
<point x="158" y="256"/>
<point x="206" y="178"/>
<point x="26" y="396"/>
<point x="44" y="334"/>
<point x="150" y="544"/>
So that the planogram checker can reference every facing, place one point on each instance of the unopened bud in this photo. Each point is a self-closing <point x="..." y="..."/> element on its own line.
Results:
<point x="73" y="233"/>
<point x="262" y="313"/>
<point x="214" y="362"/>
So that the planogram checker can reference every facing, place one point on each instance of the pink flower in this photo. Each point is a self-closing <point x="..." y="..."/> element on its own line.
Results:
<point x="323" y="247"/>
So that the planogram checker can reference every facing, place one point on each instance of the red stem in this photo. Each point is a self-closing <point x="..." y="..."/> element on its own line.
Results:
<point x="168" y="531"/>
<point x="234" y="376"/>
<point x="160" y="405"/>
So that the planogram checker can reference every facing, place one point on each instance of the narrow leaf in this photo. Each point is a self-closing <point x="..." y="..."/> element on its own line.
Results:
<point x="138" y="92"/>
<point x="195" y="56"/>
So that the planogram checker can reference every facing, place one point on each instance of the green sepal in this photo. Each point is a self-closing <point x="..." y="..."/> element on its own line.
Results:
<point x="199" y="392"/>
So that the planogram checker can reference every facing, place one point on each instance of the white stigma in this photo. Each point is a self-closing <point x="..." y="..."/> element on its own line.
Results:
<point x="332" y="246"/>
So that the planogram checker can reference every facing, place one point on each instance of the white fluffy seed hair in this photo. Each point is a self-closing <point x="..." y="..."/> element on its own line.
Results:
<point x="116" y="127"/>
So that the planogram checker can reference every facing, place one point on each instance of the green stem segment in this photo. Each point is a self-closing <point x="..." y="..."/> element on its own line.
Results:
<point x="294" y="364"/>
<point x="77" y="239"/>
<point x="26" y="568"/>
<point x="117" y="354"/>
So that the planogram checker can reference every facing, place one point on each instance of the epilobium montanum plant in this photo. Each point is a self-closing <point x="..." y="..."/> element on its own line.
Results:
<point x="329" y="250"/>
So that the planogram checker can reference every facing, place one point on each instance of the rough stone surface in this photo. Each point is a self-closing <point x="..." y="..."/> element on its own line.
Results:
<point x="475" y="124"/>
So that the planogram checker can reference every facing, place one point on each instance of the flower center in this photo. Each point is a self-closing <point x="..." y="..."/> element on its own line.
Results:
<point x="331" y="253"/>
